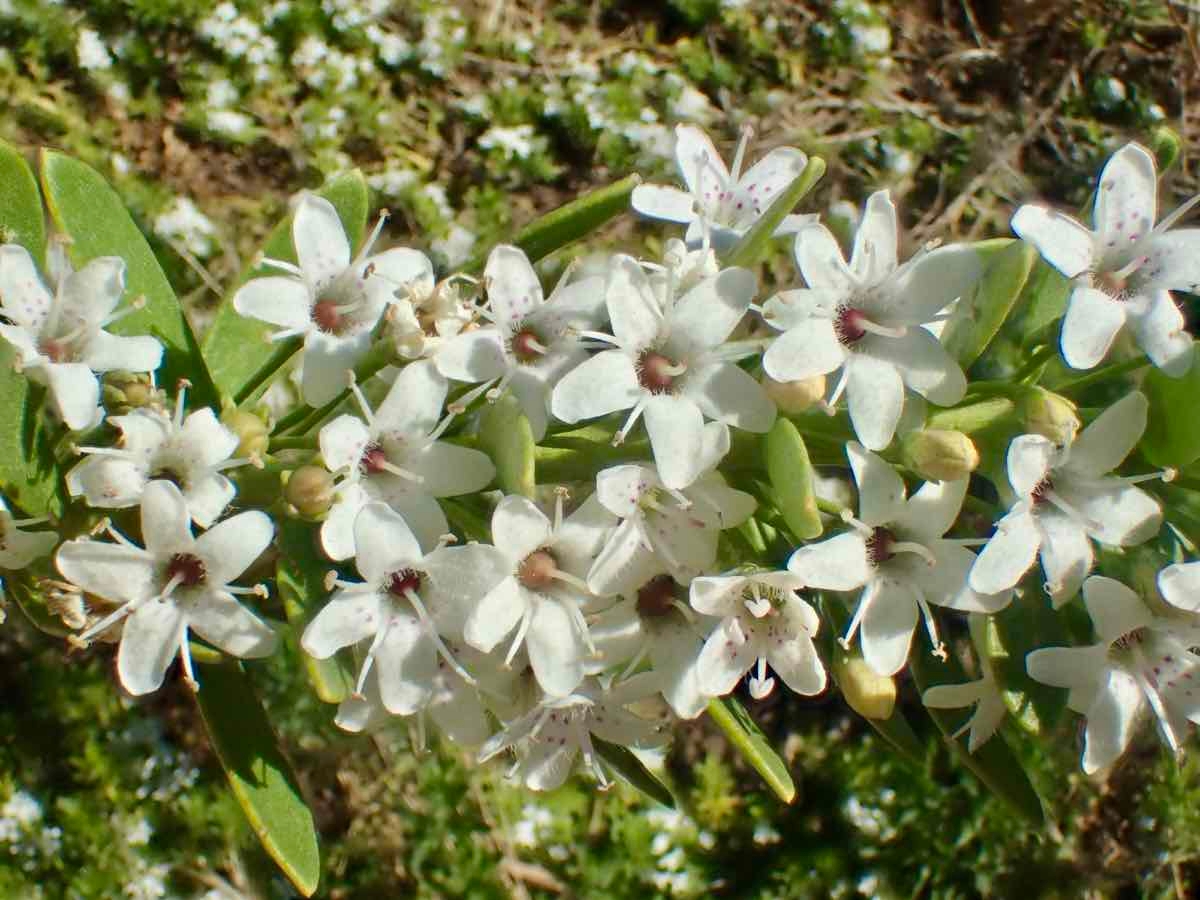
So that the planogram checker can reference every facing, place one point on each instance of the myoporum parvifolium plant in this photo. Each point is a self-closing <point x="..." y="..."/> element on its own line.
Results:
<point x="546" y="521"/>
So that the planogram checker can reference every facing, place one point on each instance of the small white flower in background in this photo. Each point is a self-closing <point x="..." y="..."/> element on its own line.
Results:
<point x="764" y="621"/>
<point x="544" y="593"/>
<point x="1124" y="270"/>
<point x="897" y="555"/>
<point x="661" y="529"/>
<point x="722" y="201"/>
<point x="550" y="737"/>
<point x="983" y="693"/>
<point x="1140" y="662"/>
<point x="865" y="318"/>
<point x="531" y="342"/>
<point x="92" y="52"/>
<point x="408" y="604"/>
<point x="59" y="338"/>
<point x="182" y="221"/>
<point x="396" y="457"/>
<point x="19" y="548"/>
<point x="1065" y="499"/>
<point x="671" y="364"/>
<point x="331" y="300"/>
<point x="421" y="321"/>
<point x="192" y="452"/>
<point x="176" y="584"/>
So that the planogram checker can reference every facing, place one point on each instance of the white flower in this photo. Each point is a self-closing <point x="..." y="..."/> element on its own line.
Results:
<point x="190" y="452"/>
<point x="60" y="339"/>
<point x="396" y="457"/>
<point x="1140" y="662"/>
<point x="763" y="621"/>
<point x="19" y="548"/>
<point x="531" y="342"/>
<point x="1064" y="498"/>
<point x="727" y="202"/>
<point x="333" y="301"/>
<point x="178" y="583"/>
<point x="983" y="693"/>
<point x="544" y="593"/>
<point x="865" y="318"/>
<point x="896" y="554"/>
<point x="91" y="51"/>
<point x="670" y="363"/>
<point x="551" y="735"/>
<point x="1179" y="585"/>
<point x="407" y="605"/>
<point x="661" y="529"/>
<point x="1124" y="270"/>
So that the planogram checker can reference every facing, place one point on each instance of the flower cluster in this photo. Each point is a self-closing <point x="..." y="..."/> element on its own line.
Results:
<point x="666" y="555"/>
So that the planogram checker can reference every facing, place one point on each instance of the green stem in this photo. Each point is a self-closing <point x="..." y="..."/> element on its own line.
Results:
<point x="828" y="506"/>
<point x="1036" y="362"/>
<point x="305" y="442"/>
<point x="253" y="392"/>
<point x="1116" y="370"/>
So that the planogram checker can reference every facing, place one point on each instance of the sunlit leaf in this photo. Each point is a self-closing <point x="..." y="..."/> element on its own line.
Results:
<point x="978" y="316"/>
<point x="731" y="717"/>
<point x="626" y="764"/>
<point x="504" y="435"/>
<point x="1172" y="436"/>
<point x="791" y="475"/>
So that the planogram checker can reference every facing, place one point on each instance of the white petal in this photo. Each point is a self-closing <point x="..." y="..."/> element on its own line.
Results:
<point x="792" y="654"/>
<point x="496" y="615"/>
<point x="1111" y="721"/>
<point x="718" y="595"/>
<point x="137" y="353"/>
<point x="888" y="624"/>
<point x="1161" y="332"/>
<point x="1126" y="195"/>
<point x="23" y="297"/>
<point x="1029" y="460"/>
<point x="1111" y="437"/>
<point x="674" y="649"/>
<point x="820" y="261"/>
<point x="1069" y="667"/>
<point x="1114" y="608"/>
<point x="383" y="542"/>
<point x="700" y="164"/>
<point x="787" y="309"/>
<point x="395" y="272"/>
<point x="675" y="426"/>
<point x="413" y="404"/>
<point x="532" y="391"/>
<point x="211" y="442"/>
<point x="148" y="645"/>
<point x="1066" y="555"/>
<point x="727" y="656"/>
<point x="1089" y="327"/>
<point x="582" y="534"/>
<point x="116" y="573"/>
<point x="457" y="579"/>
<point x="473" y="356"/>
<point x="880" y="488"/>
<point x="20" y="548"/>
<point x="556" y="649"/>
<point x="278" y="299"/>
<point x="620" y="488"/>
<point x="924" y="365"/>
<point x="763" y="182"/>
<point x="605" y="383"/>
<point x="337" y="531"/>
<point x="107" y="482"/>
<point x="685" y="541"/>
<point x="953" y="696"/>
<point x="929" y="283"/>
<point x="1062" y="241"/>
<point x="624" y="564"/>
<point x="94" y="291"/>
<point x="706" y="315"/>
<point x="1173" y="260"/>
<point x="76" y="394"/>
<point x="837" y="564"/>
<point x="408" y="663"/>
<point x="1180" y="585"/>
<point x="875" y="397"/>
<point x="232" y="545"/>
<point x="932" y="509"/>
<point x="1115" y="512"/>
<point x="207" y="498"/>
<point x="422" y="513"/>
<point x="632" y="308"/>
<point x="229" y="626"/>
<point x="806" y="349"/>
<point x="350" y="617"/>
<point x="874" y="254"/>
<point x="718" y="505"/>
<point x="1007" y="555"/>
<point x="328" y="361"/>
<point x="449" y="470"/>
<point x="320" y="239"/>
<point x="945" y="583"/>
<point x="729" y="394"/>
<point x="519" y="527"/>
<point x="548" y="765"/>
<point x="660" y="202"/>
<point x="166" y="522"/>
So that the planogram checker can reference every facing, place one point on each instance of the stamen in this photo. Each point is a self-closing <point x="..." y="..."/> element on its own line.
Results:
<point x="437" y="638"/>
<point x="352" y="383"/>
<point x="634" y="415"/>
<point x="459" y="406"/>
<point x="560" y="498"/>
<point x="882" y="330"/>
<point x="868" y="597"/>
<point x="739" y="155"/>
<point x="185" y="655"/>
<point x="384" y="215"/>
<point x="399" y="472"/>
<point x="831" y="403"/>
<point x="939" y="649"/>
<point x="913" y="547"/>
<point x="290" y="268"/>
<point x="1173" y="217"/>
<point x="519" y="638"/>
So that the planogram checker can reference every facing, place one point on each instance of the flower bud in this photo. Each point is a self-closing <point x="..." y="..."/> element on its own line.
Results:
<point x="1050" y="415"/>
<point x="795" y="396"/>
<point x="123" y="392"/>
<point x="871" y="695"/>
<point x="939" y="455"/>
<point x="310" y="490"/>
<point x="250" y="429"/>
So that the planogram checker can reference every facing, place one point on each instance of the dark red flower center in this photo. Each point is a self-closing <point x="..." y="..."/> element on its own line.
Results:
<point x="526" y="345"/>
<point x="879" y="545"/>
<point x="656" y="597"/>
<point x="187" y="568"/>
<point x="656" y="373"/>
<point x="400" y="583"/>
<point x="373" y="460"/>
<point x="847" y="325"/>
<point x="327" y="316"/>
<point x="536" y="571"/>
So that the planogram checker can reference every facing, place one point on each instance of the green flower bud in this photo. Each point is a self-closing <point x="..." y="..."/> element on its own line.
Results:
<point x="251" y="430"/>
<point x="871" y="695"/>
<point x="310" y="490"/>
<point x="939" y="455"/>
<point x="1048" y="414"/>
<point x="123" y="392"/>
<point x="795" y="396"/>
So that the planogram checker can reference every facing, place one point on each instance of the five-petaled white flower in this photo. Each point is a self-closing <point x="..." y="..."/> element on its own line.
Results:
<point x="408" y="605"/>
<point x="983" y="693"/>
<point x="19" y="548"/>
<point x="191" y="452"/>
<point x="672" y="364"/>
<point x="1065" y="498"/>
<point x="866" y="319"/>
<point x="544" y="595"/>
<point x="897" y="555"/>
<point x="176" y="584"/>
<point x="764" y="621"/>
<point x="396" y="457"/>
<point x="725" y="202"/>
<point x="1141" y="661"/>
<point x="532" y="342"/>
<point x="59" y="338"/>
<point x="1125" y="269"/>
<point x="331" y="300"/>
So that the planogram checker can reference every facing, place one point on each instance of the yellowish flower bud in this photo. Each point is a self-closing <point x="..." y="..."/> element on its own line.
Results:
<point x="795" y="396"/>
<point x="868" y="693"/>
<point x="251" y="430"/>
<point x="1050" y="415"/>
<point x="310" y="490"/>
<point x="123" y="392"/>
<point x="939" y="455"/>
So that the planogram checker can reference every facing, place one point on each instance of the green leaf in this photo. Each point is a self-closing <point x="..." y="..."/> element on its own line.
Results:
<point x="88" y="211"/>
<point x="791" y="475"/>
<point x="261" y="778"/>
<point x="504" y="435"/>
<point x="994" y="763"/>
<point x="978" y="316"/>
<point x="626" y="764"/>
<point x="753" y="244"/>
<point x="300" y="574"/>
<point x="22" y="219"/>
<point x="744" y="734"/>
<point x="32" y="604"/>
<point x="236" y="348"/>
<point x="1044" y="301"/>
<point x="1172" y="436"/>
<point x="570" y="222"/>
